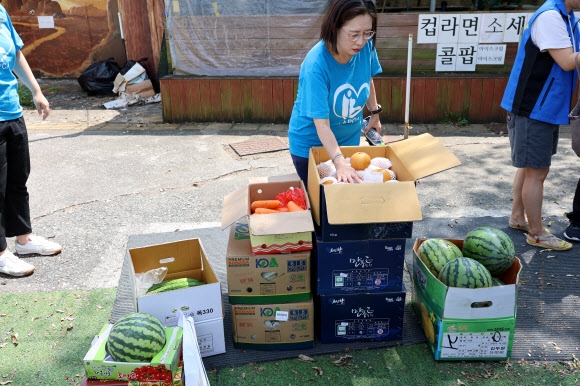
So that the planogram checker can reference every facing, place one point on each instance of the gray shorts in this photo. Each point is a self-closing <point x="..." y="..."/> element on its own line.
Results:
<point x="532" y="142"/>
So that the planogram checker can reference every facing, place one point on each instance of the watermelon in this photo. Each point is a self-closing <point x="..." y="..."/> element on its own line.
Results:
<point x="466" y="273"/>
<point x="491" y="247"/>
<point x="495" y="281"/>
<point x="435" y="253"/>
<point x="136" y="337"/>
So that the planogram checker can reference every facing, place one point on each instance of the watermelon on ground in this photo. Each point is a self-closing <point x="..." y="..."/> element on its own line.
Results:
<point x="435" y="253"/>
<point x="137" y="337"/>
<point x="490" y="246"/>
<point x="466" y="273"/>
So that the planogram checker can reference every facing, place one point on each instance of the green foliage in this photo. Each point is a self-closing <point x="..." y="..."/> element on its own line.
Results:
<point x="455" y="119"/>
<point x="25" y="96"/>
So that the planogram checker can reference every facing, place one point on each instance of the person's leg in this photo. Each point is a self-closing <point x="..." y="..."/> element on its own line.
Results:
<point x="532" y="198"/>
<point x="518" y="216"/>
<point x="16" y="201"/>
<point x="9" y="264"/>
<point x="301" y="166"/>
<point x="572" y="232"/>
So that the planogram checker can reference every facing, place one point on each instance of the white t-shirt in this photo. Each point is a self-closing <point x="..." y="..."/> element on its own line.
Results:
<point x="549" y="31"/>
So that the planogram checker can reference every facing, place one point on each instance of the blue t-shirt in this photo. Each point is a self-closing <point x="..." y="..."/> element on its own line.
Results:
<point x="334" y="91"/>
<point x="10" y="42"/>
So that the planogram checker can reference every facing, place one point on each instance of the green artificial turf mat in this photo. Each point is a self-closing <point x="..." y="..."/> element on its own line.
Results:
<point x="44" y="336"/>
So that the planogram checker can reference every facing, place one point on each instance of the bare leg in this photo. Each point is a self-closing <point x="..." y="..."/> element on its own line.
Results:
<point x="532" y="197"/>
<point x="518" y="212"/>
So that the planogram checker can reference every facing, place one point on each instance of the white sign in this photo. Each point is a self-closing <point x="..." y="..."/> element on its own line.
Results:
<point x="492" y="27"/>
<point x="446" y="57"/>
<point x="466" y="57"/>
<point x="515" y="24"/>
<point x="427" y="29"/>
<point x="469" y="28"/>
<point x="491" y="54"/>
<point x="45" y="22"/>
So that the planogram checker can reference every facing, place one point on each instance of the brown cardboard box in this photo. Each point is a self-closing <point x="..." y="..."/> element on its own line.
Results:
<point x="270" y="233"/>
<point x="286" y="326"/>
<point x="412" y="159"/>
<point x="143" y="89"/>
<point x="263" y="279"/>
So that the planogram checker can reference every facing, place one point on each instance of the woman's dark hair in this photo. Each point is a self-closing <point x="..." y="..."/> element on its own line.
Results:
<point x="339" y="13"/>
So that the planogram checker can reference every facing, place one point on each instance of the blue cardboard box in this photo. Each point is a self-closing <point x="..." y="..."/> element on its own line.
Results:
<point x="346" y="318"/>
<point x="359" y="231"/>
<point x="359" y="266"/>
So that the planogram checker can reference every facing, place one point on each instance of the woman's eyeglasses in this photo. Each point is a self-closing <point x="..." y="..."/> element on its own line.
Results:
<point x="366" y="36"/>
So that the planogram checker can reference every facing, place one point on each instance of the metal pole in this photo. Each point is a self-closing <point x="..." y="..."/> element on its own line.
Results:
<point x="408" y="88"/>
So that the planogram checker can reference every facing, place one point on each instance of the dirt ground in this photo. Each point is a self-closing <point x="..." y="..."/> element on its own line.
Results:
<point x="70" y="104"/>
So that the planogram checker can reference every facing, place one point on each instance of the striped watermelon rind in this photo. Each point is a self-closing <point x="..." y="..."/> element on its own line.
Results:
<point x="490" y="246"/>
<point x="137" y="337"/>
<point x="435" y="253"/>
<point x="465" y="272"/>
<point x="496" y="282"/>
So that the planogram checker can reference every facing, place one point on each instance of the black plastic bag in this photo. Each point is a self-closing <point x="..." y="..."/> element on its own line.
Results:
<point x="98" y="78"/>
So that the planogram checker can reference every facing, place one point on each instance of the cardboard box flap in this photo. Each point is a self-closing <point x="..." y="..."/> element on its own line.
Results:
<point x="423" y="155"/>
<point x="176" y="256"/>
<point x="480" y="303"/>
<point x="235" y="207"/>
<point x="372" y="203"/>
<point x="283" y="178"/>
<point x="281" y="223"/>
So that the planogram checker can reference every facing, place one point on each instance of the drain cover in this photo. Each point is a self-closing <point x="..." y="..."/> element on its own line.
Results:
<point x="257" y="146"/>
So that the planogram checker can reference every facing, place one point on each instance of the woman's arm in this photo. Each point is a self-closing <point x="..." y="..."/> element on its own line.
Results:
<point x="24" y="73"/>
<point x="371" y="105"/>
<point x="344" y="173"/>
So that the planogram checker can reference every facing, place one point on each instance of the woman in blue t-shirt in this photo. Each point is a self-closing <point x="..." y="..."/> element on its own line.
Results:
<point x="334" y="85"/>
<point x="14" y="156"/>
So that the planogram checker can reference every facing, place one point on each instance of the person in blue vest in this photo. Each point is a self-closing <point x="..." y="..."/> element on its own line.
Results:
<point x="537" y="98"/>
<point x="334" y="85"/>
<point x="14" y="155"/>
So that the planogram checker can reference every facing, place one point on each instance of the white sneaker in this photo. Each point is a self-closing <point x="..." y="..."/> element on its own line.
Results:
<point x="38" y="245"/>
<point x="13" y="266"/>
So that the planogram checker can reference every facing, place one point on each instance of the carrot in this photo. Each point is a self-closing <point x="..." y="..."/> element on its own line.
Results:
<point x="294" y="207"/>
<point x="283" y="209"/>
<point x="269" y="204"/>
<point x="266" y="211"/>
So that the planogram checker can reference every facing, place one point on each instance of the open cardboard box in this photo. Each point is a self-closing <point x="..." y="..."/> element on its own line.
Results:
<point x="271" y="233"/>
<point x="100" y="365"/>
<point x="375" y="204"/>
<point x="466" y="323"/>
<point x="184" y="258"/>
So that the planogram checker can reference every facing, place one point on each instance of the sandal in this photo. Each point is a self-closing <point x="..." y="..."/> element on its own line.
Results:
<point x="521" y="226"/>
<point x="548" y="241"/>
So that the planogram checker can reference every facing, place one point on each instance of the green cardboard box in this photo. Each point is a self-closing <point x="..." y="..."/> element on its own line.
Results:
<point x="99" y="364"/>
<point x="466" y="323"/>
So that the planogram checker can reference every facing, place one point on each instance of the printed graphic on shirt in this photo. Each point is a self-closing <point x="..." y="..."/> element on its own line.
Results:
<point x="348" y="102"/>
<point x="6" y="47"/>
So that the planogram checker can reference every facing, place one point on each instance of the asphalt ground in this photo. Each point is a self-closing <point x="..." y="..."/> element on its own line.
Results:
<point x="92" y="186"/>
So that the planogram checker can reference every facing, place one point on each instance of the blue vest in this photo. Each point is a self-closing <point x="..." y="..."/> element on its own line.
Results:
<point x="538" y="87"/>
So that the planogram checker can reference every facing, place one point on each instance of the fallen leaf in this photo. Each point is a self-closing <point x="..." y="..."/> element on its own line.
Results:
<point x="3" y="344"/>
<point x="14" y="338"/>
<point x="243" y="375"/>
<point x="305" y="358"/>
<point x="318" y="371"/>
<point x="3" y="314"/>
<point x="99" y="307"/>
<point x="460" y="383"/>
<point x="60" y="311"/>
<point x="5" y="382"/>
<point x="342" y="360"/>
<point x="70" y="327"/>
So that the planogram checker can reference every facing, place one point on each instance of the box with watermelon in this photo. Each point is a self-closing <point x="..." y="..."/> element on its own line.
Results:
<point x="465" y="294"/>
<point x="136" y="347"/>
<point x="278" y="213"/>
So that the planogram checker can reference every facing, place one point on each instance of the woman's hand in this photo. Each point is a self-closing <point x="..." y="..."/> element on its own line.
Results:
<point x="344" y="172"/>
<point x="375" y="123"/>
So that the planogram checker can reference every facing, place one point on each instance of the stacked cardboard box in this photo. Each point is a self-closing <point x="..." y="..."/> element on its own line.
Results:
<point x="268" y="269"/>
<point x="361" y="237"/>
